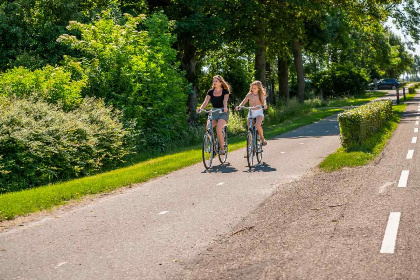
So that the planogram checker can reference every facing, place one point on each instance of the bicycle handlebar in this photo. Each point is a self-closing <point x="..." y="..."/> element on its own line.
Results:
<point x="254" y="107"/>
<point x="211" y="110"/>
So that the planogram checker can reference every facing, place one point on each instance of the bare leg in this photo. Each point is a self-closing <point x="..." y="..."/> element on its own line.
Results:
<point x="220" y="124"/>
<point x="259" y="127"/>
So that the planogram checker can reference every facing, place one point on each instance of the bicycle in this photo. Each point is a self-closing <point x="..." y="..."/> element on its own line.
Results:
<point x="211" y="143"/>
<point x="253" y="141"/>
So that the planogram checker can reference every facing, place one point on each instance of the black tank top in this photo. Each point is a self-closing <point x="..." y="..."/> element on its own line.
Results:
<point x="217" y="101"/>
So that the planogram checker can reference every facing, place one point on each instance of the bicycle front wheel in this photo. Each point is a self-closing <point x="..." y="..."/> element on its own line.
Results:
<point x="223" y="158"/>
<point x="250" y="149"/>
<point x="259" y="149"/>
<point x="207" y="150"/>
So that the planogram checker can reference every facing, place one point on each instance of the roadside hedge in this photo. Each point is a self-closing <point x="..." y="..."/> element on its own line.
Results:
<point x="356" y="125"/>
<point x="412" y="88"/>
<point x="40" y="143"/>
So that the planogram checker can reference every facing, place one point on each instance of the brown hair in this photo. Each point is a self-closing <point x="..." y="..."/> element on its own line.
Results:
<point x="261" y="90"/>
<point x="225" y="85"/>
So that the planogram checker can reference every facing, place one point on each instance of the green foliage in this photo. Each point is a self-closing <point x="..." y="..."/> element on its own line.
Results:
<point x="234" y="67"/>
<point x="358" y="124"/>
<point x="52" y="84"/>
<point x="340" y="80"/>
<point x="40" y="143"/>
<point x="412" y="88"/>
<point x="29" y="29"/>
<point x="133" y="66"/>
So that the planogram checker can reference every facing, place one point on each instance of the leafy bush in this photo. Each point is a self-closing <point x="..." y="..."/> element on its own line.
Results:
<point x="412" y="88"/>
<point x="358" y="124"/>
<point x="40" y="143"/>
<point x="52" y="84"/>
<point x="130" y="62"/>
<point x="341" y="80"/>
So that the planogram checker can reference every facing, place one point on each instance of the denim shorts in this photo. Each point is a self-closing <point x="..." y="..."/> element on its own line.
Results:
<point x="217" y="115"/>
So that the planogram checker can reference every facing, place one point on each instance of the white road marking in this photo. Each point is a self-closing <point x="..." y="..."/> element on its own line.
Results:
<point x="414" y="140"/>
<point x="416" y="130"/>
<point x="403" y="179"/>
<point x="391" y="231"/>
<point x="410" y="154"/>
<point x="163" y="212"/>
<point x="417" y="122"/>
<point x="382" y="188"/>
<point x="302" y="143"/>
<point x="60" y="264"/>
<point x="417" y="118"/>
<point x="221" y="183"/>
<point x="283" y="152"/>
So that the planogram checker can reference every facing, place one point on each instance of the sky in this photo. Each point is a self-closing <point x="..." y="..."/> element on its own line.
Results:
<point x="404" y="38"/>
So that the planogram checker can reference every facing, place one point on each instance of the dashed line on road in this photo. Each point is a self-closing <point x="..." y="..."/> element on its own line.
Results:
<point x="383" y="188"/>
<point x="417" y="122"/>
<point x="417" y="118"/>
<point x="391" y="231"/>
<point x="163" y="212"/>
<point x="403" y="179"/>
<point x="416" y="130"/>
<point x="410" y="154"/>
<point x="221" y="183"/>
<point x="414" y="140"/>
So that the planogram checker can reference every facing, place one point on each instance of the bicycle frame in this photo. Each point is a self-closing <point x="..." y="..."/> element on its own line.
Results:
<point x="212" y="148"/>
<point x="254" y="148"/>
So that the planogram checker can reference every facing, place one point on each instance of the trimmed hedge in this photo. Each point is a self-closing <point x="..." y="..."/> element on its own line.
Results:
<point x="358" y="124"/>
<point x="412" y="88"/>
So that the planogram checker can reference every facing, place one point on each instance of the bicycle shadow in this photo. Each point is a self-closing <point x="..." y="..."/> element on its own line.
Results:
<point x="263" y="167"/>
<point x="222" y="168"/>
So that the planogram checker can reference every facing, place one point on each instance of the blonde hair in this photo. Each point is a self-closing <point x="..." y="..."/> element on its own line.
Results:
<point x="225" y="85"/>
<point x="261" y="90"/>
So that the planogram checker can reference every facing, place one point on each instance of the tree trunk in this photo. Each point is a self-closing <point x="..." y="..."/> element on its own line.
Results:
<point x="297" y="54"/>
<point x="260" y="61"/>
<point x="283" y="75"/>
<point x="189" y="64"/>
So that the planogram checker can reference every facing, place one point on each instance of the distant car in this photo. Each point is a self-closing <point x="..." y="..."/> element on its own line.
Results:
<point x="385" y="84"/>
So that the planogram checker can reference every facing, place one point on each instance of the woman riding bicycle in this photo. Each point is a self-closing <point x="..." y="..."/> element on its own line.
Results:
<point x="256" y="96"/>
<point x="218" y="95"/>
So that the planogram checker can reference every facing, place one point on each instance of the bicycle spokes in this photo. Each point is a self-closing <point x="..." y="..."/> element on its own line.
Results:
<point x="207" y="151"/>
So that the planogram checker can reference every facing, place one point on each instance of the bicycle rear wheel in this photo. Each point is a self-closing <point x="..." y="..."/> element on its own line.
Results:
<point x="223" y="158"/>
<point x="208" y="150"/>
<point x="259" y="149"/>
<point x="250" y="149"/>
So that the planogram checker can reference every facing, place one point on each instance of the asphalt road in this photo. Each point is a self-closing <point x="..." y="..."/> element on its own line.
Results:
<point x="151" y="230"/>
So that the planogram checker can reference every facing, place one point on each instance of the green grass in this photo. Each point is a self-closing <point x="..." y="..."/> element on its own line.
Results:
<point x="368" y="151"/>
<point x="47" y="197"/>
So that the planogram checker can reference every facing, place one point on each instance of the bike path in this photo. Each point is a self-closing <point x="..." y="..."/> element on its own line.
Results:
<point x="149" y="230"/>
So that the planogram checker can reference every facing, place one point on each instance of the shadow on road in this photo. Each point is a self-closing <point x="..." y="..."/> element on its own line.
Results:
<point x="263" y="167"/>
<point x="325" y="127"/>
<point x="223" y="168"/>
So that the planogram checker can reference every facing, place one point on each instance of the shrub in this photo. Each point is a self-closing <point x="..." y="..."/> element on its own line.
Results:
<point x="412" y="88"/>
<point x="52" y="84"/>
<point x="40" y="143"/>
<point x="358" y="124"/>
<point x="341" y="80"/>
<point x="130" y="62"/>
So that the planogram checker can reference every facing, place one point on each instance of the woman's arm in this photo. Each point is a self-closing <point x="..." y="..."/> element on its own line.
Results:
<point x="265" y="102"/>
<point x="242" y="103"/>
<point x="225" y="101"/>
<point x="204" y="105"/>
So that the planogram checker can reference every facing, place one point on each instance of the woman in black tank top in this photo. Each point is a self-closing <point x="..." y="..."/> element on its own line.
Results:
<point x="218" y="95"/>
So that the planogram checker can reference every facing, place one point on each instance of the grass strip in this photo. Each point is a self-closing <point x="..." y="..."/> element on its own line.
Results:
<point x="370" y="149"/>
<point x="46" y="197"/>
